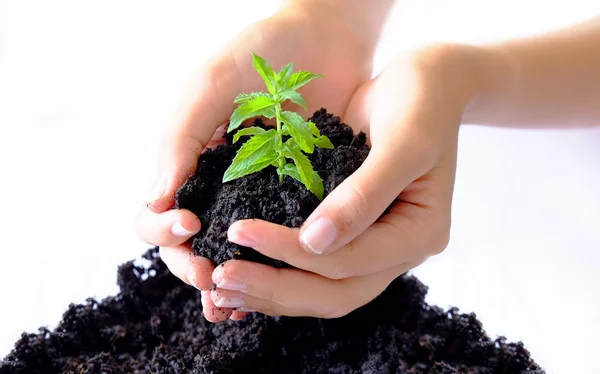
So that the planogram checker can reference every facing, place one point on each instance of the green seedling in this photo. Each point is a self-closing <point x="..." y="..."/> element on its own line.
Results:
<point x="267" y="147"/>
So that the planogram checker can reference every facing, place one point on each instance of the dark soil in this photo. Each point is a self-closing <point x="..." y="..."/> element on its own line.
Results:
<point x="155" y="324"/>
<point x="262" y="195"/>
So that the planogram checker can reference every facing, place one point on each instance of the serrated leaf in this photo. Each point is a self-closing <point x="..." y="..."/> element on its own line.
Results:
<point x="247" y="131"/>
<point x="323" y="142"/>
<point x="300" y="78"/>
<point x="317" y="186"/>
<point x="266" y="72"/>
<point x="259" y="106"/>
<point x="299" y="130"/>
<point x="291" y="170"/>
<point x="313" y="128"/>
<point x="305" y="169"/>
<point x="291" y="142"/>
<point x="255" y="155"/>
<point x="294" y="97"/>
<point x="245" y="97"/>
<point x="285" y="73"/>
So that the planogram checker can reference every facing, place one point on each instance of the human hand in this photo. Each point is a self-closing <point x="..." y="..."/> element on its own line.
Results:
<point x="316" y="39"/>
<point x="347" y="253"/>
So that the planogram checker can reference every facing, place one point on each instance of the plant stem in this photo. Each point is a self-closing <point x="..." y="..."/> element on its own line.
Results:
<point x="278" y="118"/>
<point x="281" y="160"/>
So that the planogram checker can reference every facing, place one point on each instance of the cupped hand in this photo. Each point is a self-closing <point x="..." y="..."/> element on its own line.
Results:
<point x="317" y="41"/>
<point x="347" y="252"/>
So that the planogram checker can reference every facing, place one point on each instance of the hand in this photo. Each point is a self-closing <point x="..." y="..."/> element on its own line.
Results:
<point x="315" y="39"/>
<point x="347" y="253"/>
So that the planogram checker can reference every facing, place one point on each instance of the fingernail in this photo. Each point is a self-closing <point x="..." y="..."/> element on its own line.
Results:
<point x="224" y="283"/>
<point x="192" y="279"/>
<point x="179" y="230"/>
<point x="235" y="236"/>
<point x="319" y="235"/>
<point x="228" y="302"/>
<point x="242" y="309"/>
<point x="231" y="285"/>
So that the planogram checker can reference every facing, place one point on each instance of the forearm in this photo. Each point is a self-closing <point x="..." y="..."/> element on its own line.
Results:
<point x="546" y="81"/>
<point x="364" y="18"/>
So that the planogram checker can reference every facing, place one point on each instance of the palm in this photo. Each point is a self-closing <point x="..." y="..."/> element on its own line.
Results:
<point x="331" y="52"/>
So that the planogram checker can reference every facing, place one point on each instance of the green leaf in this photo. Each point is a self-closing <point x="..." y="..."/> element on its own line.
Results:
<point x="317" y="186"/>
<point x="285" y="73"/>
<point x="266" y="72"/>
<point x="245" y="97"/>
<point x="302" y="171"/>
<point x="291" y="170"/>
<point x="291" y="142"/>
<point x="305" y="169"/>
<point x="259" y="106"/>
<point x="247" y="131"/>
<point x="255" y="155"/>
<point x="313" y="128"/>
<point x="300" y="78"/>
<point x="299" y="130"/>
<point x="323" y="142"/>
<point x="294" y="97"/>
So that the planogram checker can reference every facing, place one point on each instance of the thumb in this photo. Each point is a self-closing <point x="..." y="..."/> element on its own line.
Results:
<point x="361" y="199"/>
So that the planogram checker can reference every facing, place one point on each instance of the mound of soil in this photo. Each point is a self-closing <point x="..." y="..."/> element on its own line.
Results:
<point x="262" y="195"/>
<point x="155" y="325"/>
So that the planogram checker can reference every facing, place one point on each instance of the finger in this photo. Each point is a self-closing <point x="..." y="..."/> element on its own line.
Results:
<point x="237" y="315"/>
<point x="193" y="270"/>
<point x="293" y="292"/>
<point x="393" y="240"/>
<point x="211" y="312"/>
<point x="360" y="200"/>
<point x="166" y="229"/>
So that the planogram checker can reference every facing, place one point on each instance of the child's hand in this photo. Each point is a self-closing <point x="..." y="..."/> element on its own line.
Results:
<point x="315" y="39"/>
<point x="347" y="253"/>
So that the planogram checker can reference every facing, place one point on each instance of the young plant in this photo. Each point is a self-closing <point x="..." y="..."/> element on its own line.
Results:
<point x="267" y="147"/>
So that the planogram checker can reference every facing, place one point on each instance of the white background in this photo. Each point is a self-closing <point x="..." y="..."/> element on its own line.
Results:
<point x="86" y="90"/>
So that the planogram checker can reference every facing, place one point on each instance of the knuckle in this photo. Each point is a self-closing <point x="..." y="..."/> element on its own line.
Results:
<point x="266" y="289"/>
<point x="336" y="311"/>
<point x="440" y="240"/>
<point x="336" y="272"/>
<point x="351" y="208"/>
<point x="359" y="202"/>
<point x="266" y="308"/>
<point x="340" y="302"/>
<point x="266" y="293"/>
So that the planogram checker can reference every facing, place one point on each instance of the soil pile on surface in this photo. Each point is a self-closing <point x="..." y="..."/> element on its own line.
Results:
<point x="155" y="325"/>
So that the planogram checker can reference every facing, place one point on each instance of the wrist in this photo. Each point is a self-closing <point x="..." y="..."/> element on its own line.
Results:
<point x="494" y="76"/>
<point x="363" y="19"/>
<point x="475" y="79"/>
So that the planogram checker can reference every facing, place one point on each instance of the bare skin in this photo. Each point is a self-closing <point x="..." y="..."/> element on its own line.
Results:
<point x="334" y="40"/>
<point x="345" y="254"/>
